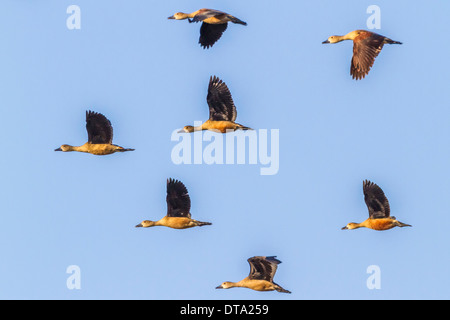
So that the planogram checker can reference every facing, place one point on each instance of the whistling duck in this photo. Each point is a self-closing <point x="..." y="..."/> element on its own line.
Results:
<point x="379" y="210"/>
<point x="366" y="47"/>
<point x="100" y="136"/>
<point x="178" y="209"/>
<point x="222" y="111"/>
<point x="262" y="271"/>
<point x="214" y="24"/>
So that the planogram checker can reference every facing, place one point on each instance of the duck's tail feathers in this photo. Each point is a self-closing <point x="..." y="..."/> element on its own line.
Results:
<point x="401" y="224"/>
<point x="201" y="224"/>
<point x="390" y="41"/>
<point x="280" y="289"/>
<point x="236" y="20"/>
<point x="241" y="127"/>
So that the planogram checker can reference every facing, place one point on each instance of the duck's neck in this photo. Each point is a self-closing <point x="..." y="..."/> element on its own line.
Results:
<point x="349" y="36"/>
<point x="238" y="284"/>
<point x="77" y="148"/>
<point x="184" y="16"/>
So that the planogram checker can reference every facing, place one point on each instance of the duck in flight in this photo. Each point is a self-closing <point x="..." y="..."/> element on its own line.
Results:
<point x="222" y="111"/>
<point x="214" y="24"/>
<point x="262" y="271"/>
<point x="100" y="136"/>
<point x="366" y="47"/>
<point x="178" y="209"/>
<point x="379" y="210"/>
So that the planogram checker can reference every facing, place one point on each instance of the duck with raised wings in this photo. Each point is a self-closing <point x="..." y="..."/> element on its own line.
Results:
<point x="379" y="210"/>
<point x="262" y="271"/>
<point x="100" y="136"/>
<point x="178" y="209"/>
<point x="222" y="111"/>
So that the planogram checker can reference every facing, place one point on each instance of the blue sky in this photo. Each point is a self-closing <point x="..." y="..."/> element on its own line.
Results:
<point x="149" y="76"/>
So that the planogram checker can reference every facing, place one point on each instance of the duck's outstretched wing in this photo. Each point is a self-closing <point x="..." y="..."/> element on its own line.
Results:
<point x="99" y="128"/>
<point x="263" y="268"/>
<point x="220" y="101"/>
<point x="178" y="200"/>
<point x="376" y="201"/>
<point x="211" y="33"/>
<point x="366" y="48"/>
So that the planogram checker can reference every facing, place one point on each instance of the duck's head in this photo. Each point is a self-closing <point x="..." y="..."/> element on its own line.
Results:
<point x="333" y="39"/>
<point x="187" y="129"/>
<point x="179" y="16"/>
<point x="351" y="226"/>
<point x="145" y="224"/>
<point x="226" y="285"/>
<point x="64" y="148"/>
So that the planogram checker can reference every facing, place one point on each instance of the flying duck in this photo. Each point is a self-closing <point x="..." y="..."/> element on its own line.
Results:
<point x="222" y="111"/>
<point x="262" y="271"/>
<point x="366" y="47"/>
<point x="379" y="210"/>
<point x="100" y="136"/>
<point x="178" y="209"/>
<point x="214" y="24"/>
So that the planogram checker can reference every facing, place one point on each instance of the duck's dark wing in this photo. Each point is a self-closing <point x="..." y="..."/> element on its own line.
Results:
<point x="263" y="268"/>
<point x="99" y="128"/>
<point x="178" y="200"/>
<point x="366" y="48"/>
<point x="376" y="201"/>
<point x="211" y="33"/>
<point x="220" y="102"/>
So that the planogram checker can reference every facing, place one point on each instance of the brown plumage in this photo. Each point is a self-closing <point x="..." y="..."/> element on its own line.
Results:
<point x="222" y="111"/>
<point x="379" y="210"/>
<point x="100" y="137"/>
<point x="366" y="47"/>
<point x="214" y="24"/>
<point x="260" y="278"/>
<point x="178" y="209"/>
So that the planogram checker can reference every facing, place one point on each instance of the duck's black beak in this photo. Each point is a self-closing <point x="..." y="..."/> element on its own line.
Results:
<point x="344" y="228"/>
<point x="171" y="17"/>
<point x="139" y="225"/>
<point x="326" y="41"/>
<point x="59" y="149"/>
<point x="219" y="287"/>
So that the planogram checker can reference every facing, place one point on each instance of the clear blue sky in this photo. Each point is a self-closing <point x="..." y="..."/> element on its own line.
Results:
<point x="149" y="76"/>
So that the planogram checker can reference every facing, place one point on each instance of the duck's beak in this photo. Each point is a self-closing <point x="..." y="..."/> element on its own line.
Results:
<point x="59" y="149"/>
<point x="139" y="225"/>
<point x="219" y="287"/>
<point x="344" y="228"/>
<point x="171" y="17"/>
<point x="181" y="131"/>
<point x="326" y="41"/>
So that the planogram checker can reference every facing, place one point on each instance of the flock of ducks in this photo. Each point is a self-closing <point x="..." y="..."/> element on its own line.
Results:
<point x="222" y="116"/>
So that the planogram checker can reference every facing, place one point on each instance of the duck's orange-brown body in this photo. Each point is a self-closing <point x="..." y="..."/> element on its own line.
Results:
<point x="94" y="148"/>
<point x="219" y="126"/>
<point x="174" y="223"/>
<point x="380" y="224"/>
